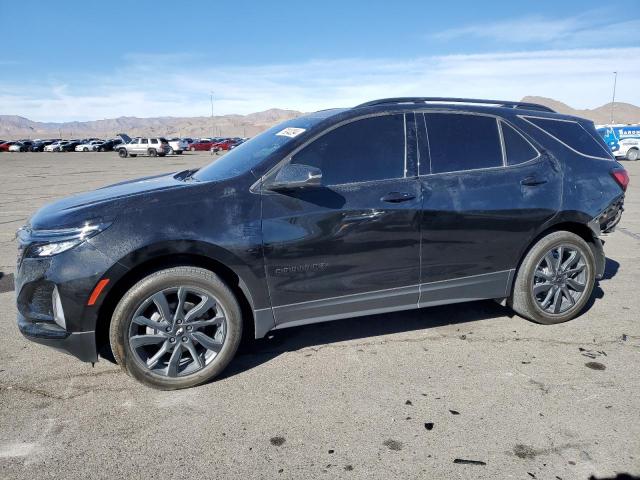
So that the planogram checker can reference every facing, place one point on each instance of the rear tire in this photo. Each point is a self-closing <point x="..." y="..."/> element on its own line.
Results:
<point x="548" y="274"/>
<point x="173" y="350"/>
<point x="85" y="149"/>
<point x="633" y="155"/>
<point x="152" y="152"/>
<point x="122" y="153"/>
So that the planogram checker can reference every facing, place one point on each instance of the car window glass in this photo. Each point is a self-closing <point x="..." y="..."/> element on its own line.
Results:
<point x="460" y="142"/>
<point x="571" y="134"/>
<point x="154" y="140"/>
<point x="363" y="150"/>
<point x="144" y="141"/>
<point x="517" y="148"/>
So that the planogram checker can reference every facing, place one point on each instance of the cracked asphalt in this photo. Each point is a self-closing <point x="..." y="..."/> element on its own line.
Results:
<point x="462" y="391"/>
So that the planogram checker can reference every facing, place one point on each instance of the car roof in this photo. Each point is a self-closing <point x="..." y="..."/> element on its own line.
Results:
<point x="400" y="104"/>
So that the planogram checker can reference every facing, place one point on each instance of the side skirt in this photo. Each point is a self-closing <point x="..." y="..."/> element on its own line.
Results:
<point x="477" y="287"/>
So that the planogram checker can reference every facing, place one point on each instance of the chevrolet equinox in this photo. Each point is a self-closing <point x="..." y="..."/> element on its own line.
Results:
<point x="395" y="204"/>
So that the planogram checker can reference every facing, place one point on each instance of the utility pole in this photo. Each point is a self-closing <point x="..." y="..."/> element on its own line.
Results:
<point x="213" y="133"/>
<point x="613" y="100"/>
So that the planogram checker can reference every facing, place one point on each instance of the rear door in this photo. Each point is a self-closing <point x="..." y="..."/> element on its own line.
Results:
<point x="486" y="191"/>
<point x="350" y="246"/>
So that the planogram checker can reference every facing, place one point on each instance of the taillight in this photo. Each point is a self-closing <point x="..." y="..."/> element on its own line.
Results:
<point x="621" y="177"/>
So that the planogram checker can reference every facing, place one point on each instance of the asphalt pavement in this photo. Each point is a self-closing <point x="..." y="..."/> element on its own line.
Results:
<point x="461" y="391"/>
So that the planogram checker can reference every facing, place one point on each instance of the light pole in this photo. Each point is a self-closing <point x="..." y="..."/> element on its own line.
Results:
<point x="213" y="134"/>
<point x="613" y="100"/>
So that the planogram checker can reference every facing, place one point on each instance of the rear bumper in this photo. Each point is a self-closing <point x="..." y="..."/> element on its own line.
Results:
<point x="81" y="345"/>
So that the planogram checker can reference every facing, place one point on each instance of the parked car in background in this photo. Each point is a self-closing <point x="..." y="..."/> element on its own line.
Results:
<point x="239" y="141"/>
<point x="23" y="146"/>
<point x="69" y="146"/>
<point x="4" y="147"/>
<point x="202" y="145"/>
<point x="109" y="145"/>
<point x="38" y="146"/>
<point x="91" y="146"/>
<point x="52" y="147"/>
<point x="225" y="144"/>
<point x="624" y="140"/>
<point x="151" y="146"/>
<point x="177" y="146"/>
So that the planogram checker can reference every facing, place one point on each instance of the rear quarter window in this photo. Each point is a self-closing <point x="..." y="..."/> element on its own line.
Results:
<point x="572" y="135"/>
<point x="517" y="148"/>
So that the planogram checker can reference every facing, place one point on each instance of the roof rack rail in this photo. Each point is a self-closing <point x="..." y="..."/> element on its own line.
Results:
<point x="417" y="100"/>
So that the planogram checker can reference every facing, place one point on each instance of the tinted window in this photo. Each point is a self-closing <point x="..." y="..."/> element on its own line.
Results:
<point x="517" y="149"/>
<point x="573" y="135"/>
<point x="364" y="150"/>
<point x="144" y="141"/>
<point x="462" y="142"/>
<point x="154" y="140"/>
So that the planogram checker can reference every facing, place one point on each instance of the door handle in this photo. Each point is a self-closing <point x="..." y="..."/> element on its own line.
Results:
<point x="532" y="181"/>
<point x="397" y="197"/>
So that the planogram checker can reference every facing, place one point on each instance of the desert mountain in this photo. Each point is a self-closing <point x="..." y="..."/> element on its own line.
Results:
<point x="13" y="126"/>
<point x="622" y="112"/>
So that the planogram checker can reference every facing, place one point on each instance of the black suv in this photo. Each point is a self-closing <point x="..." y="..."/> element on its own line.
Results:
<point x="392" y="205"/>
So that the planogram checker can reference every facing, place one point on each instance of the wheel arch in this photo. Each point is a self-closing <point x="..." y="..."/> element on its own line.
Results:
<point x="573" y="225"/>
<point x="159" y="257"/>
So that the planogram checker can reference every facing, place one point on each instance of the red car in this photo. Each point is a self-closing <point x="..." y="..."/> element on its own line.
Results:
<point x="4" y="147"/>
<point x="226" y="144"/>
<point x="201" y="145"/>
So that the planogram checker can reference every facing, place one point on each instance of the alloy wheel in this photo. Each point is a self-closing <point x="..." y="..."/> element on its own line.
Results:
<point x="177" y="331"/>
<point x="559" y="279"/>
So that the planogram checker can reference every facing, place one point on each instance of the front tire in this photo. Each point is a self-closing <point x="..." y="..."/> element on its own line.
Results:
<point x="85" y="149"/>
<point x="633" y="155"/>
<point x="555" y="280"/>
<point x="176" y="328"/>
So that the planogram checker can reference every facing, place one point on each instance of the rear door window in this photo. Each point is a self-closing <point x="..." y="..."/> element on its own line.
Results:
<point x="459" y="142"/>
<point x="363" y="150"/>
<point x="572" y="135"/>
<point x="154" y="141"/>
<point x="517" y="148"/>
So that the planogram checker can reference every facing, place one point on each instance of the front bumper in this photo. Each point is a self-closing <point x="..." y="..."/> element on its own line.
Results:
<point x="73" y="274"/>
<point x="81" y="345"/>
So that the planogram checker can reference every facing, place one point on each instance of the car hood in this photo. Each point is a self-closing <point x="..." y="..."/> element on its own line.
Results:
<point x="102" y="204"/>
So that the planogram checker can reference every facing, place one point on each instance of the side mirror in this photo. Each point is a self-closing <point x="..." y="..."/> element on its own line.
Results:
<point x="293" y="176"/>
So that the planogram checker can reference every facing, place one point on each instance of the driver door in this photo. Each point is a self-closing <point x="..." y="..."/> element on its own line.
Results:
<point x="350" y="246"/>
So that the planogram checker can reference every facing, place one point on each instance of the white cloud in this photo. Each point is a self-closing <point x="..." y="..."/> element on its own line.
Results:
<point x="580" y="77"/>
<point x="593" y="28"/>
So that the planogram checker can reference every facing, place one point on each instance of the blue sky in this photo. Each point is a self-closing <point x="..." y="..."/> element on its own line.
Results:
<point x="73" y="60"/>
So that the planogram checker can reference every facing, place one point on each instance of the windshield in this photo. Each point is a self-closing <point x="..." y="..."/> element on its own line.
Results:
<point x="252" y="152"/>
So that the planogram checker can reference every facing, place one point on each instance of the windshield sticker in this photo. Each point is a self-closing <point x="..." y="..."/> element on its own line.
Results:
<point x="290" y="132"/>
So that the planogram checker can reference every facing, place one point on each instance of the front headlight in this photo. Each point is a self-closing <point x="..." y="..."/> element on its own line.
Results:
<point x="46" y="243"/>
<point x="49" y="249"/>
